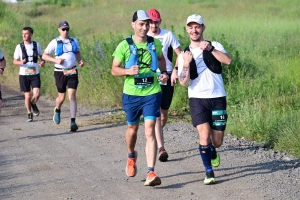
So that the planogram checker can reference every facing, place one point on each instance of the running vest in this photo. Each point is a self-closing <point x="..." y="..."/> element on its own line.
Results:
<point x="59" y="48"/>
<point x="25" y="55"/>
<point x="211" y="62"/>
<point x="133" y="59"/>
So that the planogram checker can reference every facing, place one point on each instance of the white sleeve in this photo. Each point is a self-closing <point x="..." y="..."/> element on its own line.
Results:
<point x="51" y="47"/>
<point x="174" y="42"/>
<point x="218" y="46"/>
<point x="39" y="49"/>
<point x="180" y="63"/>
<point x="18" y="53"/>
<point x="77" y="43"/>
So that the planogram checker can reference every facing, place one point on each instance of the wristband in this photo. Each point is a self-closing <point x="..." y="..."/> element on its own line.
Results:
<point x="79" y="60"/>
<point x="176" y="68"/>
<point x="164" y="72"/>
<point x="212" y="48"/>
<point x="2" y="69"/>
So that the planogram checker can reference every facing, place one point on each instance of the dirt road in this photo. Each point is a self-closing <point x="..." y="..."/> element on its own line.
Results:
<point x="41" y="160"/>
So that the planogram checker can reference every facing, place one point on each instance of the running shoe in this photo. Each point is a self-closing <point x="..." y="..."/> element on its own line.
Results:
<point x="131" y="168"/>
<point x="210" y="178"/>
<point x="152" y="179"/>
<point x="30" y="117"/>
<point x="56" y="117"/>
<point x="163" y="155"/>
<point x="35" y="109"/>
<point x="216" y="162"/>
<point x="73" y="126"/>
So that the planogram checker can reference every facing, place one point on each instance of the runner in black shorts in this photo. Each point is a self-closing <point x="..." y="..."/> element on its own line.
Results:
<point x="200" y="67"/>
<point x="26" y="58"/>
<point x="2" y="66"/>
<point x="66" y="49"/>
<point x="170" y="44"/>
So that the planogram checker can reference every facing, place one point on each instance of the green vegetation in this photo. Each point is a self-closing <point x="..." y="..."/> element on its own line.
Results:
<point x="261" y="36"/>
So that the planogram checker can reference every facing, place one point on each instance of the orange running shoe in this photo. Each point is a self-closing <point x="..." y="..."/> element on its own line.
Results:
<point x="163" y="155"/>
<point x="131" y="169"/>
<point x="152" y="179"/>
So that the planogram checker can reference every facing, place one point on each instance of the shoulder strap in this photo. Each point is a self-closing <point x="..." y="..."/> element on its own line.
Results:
<point x="24" y="52"/>
<point x="35" y="52"/>
<point x="193" y="67"/>
<point x="150" y="39"/>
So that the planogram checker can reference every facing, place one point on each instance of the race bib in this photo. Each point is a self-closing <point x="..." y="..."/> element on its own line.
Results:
<point x="143" y="80"/>
<point x="68" y="72"/>
<point x="30" y="70"/>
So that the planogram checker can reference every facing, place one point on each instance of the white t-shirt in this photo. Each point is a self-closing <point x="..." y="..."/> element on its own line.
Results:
<point x="207" y="84"/>
<point x="30" y="64"/>
<point x="167" y="39"/>
<point x="68" y="55"/>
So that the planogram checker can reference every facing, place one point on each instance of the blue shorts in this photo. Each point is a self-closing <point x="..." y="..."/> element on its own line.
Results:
<point x="135" y="106"/>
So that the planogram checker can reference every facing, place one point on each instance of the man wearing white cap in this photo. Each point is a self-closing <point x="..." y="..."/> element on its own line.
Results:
<point x="142" y="55"/>
<point x="200" y="66"/>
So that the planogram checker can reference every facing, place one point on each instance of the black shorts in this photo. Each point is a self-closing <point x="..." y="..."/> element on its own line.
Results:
<point x="29" y="80"/>
<point x="212" y="110"/>
<point x="167" y="94"/>
<point x="63" y="81"/>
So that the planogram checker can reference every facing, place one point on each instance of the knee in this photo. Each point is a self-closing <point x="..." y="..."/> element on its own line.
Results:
<point x="72" y="97"/>
<point x="150" y="133"/>
<point x="132" y="130"/>
<point x="217" y="144"/>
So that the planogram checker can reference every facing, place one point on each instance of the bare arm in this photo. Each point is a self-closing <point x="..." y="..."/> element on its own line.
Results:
<point x="184" y="76"/>
<point x="78" y="58"/>
<point x="174" y="75"/>
<point x="117" y="70"/>
<point x="220" y="56"/>
<point x="47" y="57"/>
<point x="19" y="62"/>
<point x="161" y="63"/>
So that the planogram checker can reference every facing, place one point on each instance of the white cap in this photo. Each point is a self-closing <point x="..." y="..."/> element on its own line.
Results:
<point x="195" y="18"/>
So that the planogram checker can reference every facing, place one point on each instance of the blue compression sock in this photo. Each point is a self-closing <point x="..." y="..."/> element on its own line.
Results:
<point x="213" y="151"/>
<point x="205" y="153"/>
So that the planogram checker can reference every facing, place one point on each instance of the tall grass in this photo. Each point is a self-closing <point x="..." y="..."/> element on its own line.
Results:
<point x="262" y="37"/>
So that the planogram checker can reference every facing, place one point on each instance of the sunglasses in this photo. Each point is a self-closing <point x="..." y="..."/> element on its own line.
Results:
<point x="65" y="29"/>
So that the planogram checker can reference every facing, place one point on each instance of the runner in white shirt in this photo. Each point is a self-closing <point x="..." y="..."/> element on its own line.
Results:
<point x="26" y="57"/>
<point x="66" y="49"/>
<point x="170" y="44"/>
<point x="2" y="66"/>
<point x="200" y="66"/>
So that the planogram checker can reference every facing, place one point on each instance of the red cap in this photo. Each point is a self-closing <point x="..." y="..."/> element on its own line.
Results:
<point x="154" y="15"/>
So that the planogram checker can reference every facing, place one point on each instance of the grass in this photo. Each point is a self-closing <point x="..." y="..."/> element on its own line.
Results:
<point x="261" y="36"/>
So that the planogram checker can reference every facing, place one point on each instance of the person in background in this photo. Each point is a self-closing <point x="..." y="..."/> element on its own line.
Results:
<point x="2" y="67"/>
<point x="67" y="52"/>
<point x="26" y="57"/>
<point x="200" y="67"/>
<point x="170" y="44"/>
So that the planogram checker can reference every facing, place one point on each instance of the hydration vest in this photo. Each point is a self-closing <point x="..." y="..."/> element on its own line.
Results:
<point x="59" y="49"/>
<point x="25" y="55"/>
<point x="133" y="59"/>
<point x="211" y="62"/>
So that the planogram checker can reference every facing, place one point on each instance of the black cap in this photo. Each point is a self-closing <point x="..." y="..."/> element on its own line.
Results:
<point x="63" y="24"/>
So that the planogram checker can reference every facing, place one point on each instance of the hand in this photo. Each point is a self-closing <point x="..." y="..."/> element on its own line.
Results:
<point x="42" y="63"/>
<point x="81" y="63"/>
<point x="163" y="78"/>
<point x="133" y="70"/>
<point x="59" y="61"/>
<point x="23" y="61"/>
<point x="204" y="45"/>
<point x="174" y="77"/>
<point x="187" y="57"/>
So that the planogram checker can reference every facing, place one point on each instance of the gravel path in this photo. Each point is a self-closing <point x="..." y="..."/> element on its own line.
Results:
<point x="41" y="160"/>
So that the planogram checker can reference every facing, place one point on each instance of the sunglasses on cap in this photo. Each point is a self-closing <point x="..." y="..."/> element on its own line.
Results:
<point x="65" y="29"/>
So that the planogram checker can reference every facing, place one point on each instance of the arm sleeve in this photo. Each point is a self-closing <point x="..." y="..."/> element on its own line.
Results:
<point x="174" y="42"/>
<point x="218" y="46"/>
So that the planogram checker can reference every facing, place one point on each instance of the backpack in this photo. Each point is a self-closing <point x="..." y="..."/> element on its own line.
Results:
<point x="211" y="62"/>
<point x="25" y="55"/>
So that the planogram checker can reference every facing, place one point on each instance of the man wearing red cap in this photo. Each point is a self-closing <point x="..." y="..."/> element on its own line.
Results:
<point x="170" y="43"/>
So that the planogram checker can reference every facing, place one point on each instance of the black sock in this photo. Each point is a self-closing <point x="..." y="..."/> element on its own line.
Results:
<point x="72" y="119"/>
<point x="57" y="110"/>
